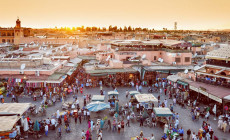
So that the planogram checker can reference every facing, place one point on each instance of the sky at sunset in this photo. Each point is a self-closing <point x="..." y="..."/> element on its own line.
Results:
<point x="157" y="14"/>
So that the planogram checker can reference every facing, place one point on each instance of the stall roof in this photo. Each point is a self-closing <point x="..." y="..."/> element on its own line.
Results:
<point x="111" y="71"/>
<point x="162" y="112"/>
<point x="134" y="92"/>
<point x="217" y="91"/>
<point x="113" y="93"/>
<point x="98" y="98"/>
<point x="14" y="108"/>
<point x="173" y="78"/>
<point x="7" y="122"/>
<point x="145" y="98"/>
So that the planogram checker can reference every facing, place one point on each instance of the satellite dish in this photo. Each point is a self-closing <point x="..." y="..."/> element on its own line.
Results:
<point x="196" y="67"/>
<point x="51" y="46"/>
<point x="30" y="57"/>
<point x="23" y="66"/>
<point x="108" y="58"/>
<point x="161" y="60"/>
<point x="186" y="71"/>
<point x="143" y="56"/>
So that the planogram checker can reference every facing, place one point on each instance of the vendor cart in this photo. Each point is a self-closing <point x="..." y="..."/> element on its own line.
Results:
<point x="162" y="115"/>
<point x="113" y="96"/>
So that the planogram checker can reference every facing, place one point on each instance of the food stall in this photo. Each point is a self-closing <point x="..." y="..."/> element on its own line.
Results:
<point x="113" y="96"/>
<point x="147" y="100"/>
<point x="8" y="128"/>
<point x="133" y="99"/>
<point x="162" y="114"/>
<point x="100" y="98"/>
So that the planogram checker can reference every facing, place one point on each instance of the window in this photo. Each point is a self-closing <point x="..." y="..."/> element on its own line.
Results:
<point x="177" y="60"/>
<point x="8" y="34"/>
<point x="8" y="40"/>
<point x="155" y="57"/>
<point x="3" y="40"/>
<point x="187" y="59"/>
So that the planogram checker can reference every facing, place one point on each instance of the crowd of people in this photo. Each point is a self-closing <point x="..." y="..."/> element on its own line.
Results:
<point x="123" y="118"/>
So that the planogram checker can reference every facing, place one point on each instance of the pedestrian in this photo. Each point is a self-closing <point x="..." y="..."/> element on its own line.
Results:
<point x="84" y="113"/>
<point x="83" y="134"/>
<point x="176" y="123"/>
<point x="211" y="133"/>
<point x="46" y="130"/>
<point x="165" y="90"/>
<point x="138" y="107"/>
<point x="166" y="127"/>
<point x="109" y="124"/>
<point x="181" y="132"/>
<point x="88" y="114"/>
<point x="13" y="98"/>
<point x="114" y="125"/>
<point x="119" y="127"/>
<point x="59" y="131"/>
<point x="127" y="93"/>
<point x="141" y="121"/>
<point x="79" y="117"/>
<point x="152" y="137"/>
<point x="122" y="125"/>
<point x="100" y="134"/>
<point x="188" y="134"/>
<point x="75" y="117"/>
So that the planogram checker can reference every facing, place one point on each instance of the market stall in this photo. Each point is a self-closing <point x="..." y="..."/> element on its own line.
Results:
<point x="147" y="100"/>
<point x="15" y="108"/>
<point x="162" y="114"/>
<point x="113" y="96"/>
<point x="8" y="128"/>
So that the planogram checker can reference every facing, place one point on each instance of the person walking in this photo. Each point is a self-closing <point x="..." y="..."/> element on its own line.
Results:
<point x="141" y="121"/>
<point x="128" y="118"/>
<point x="75" y="117"/>
<point x="46" y="130"/>
<point x="59" y="131"/>
<point x="188" y="134"/>
<point x="114" y="125"/>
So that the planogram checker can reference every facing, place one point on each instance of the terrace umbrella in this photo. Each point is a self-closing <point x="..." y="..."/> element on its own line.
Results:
<point x="97" y="106"/>
<point x="117" y="107"/>
<point x="36" y="126"/>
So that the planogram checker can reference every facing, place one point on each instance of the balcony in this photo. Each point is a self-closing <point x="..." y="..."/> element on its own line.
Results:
<point x="131" y="62"/>
<point x="221" y="63"/>
<point x="218" y="82"/>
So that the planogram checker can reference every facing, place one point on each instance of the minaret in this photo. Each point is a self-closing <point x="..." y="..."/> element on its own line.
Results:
<point x="18" y="32"/>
